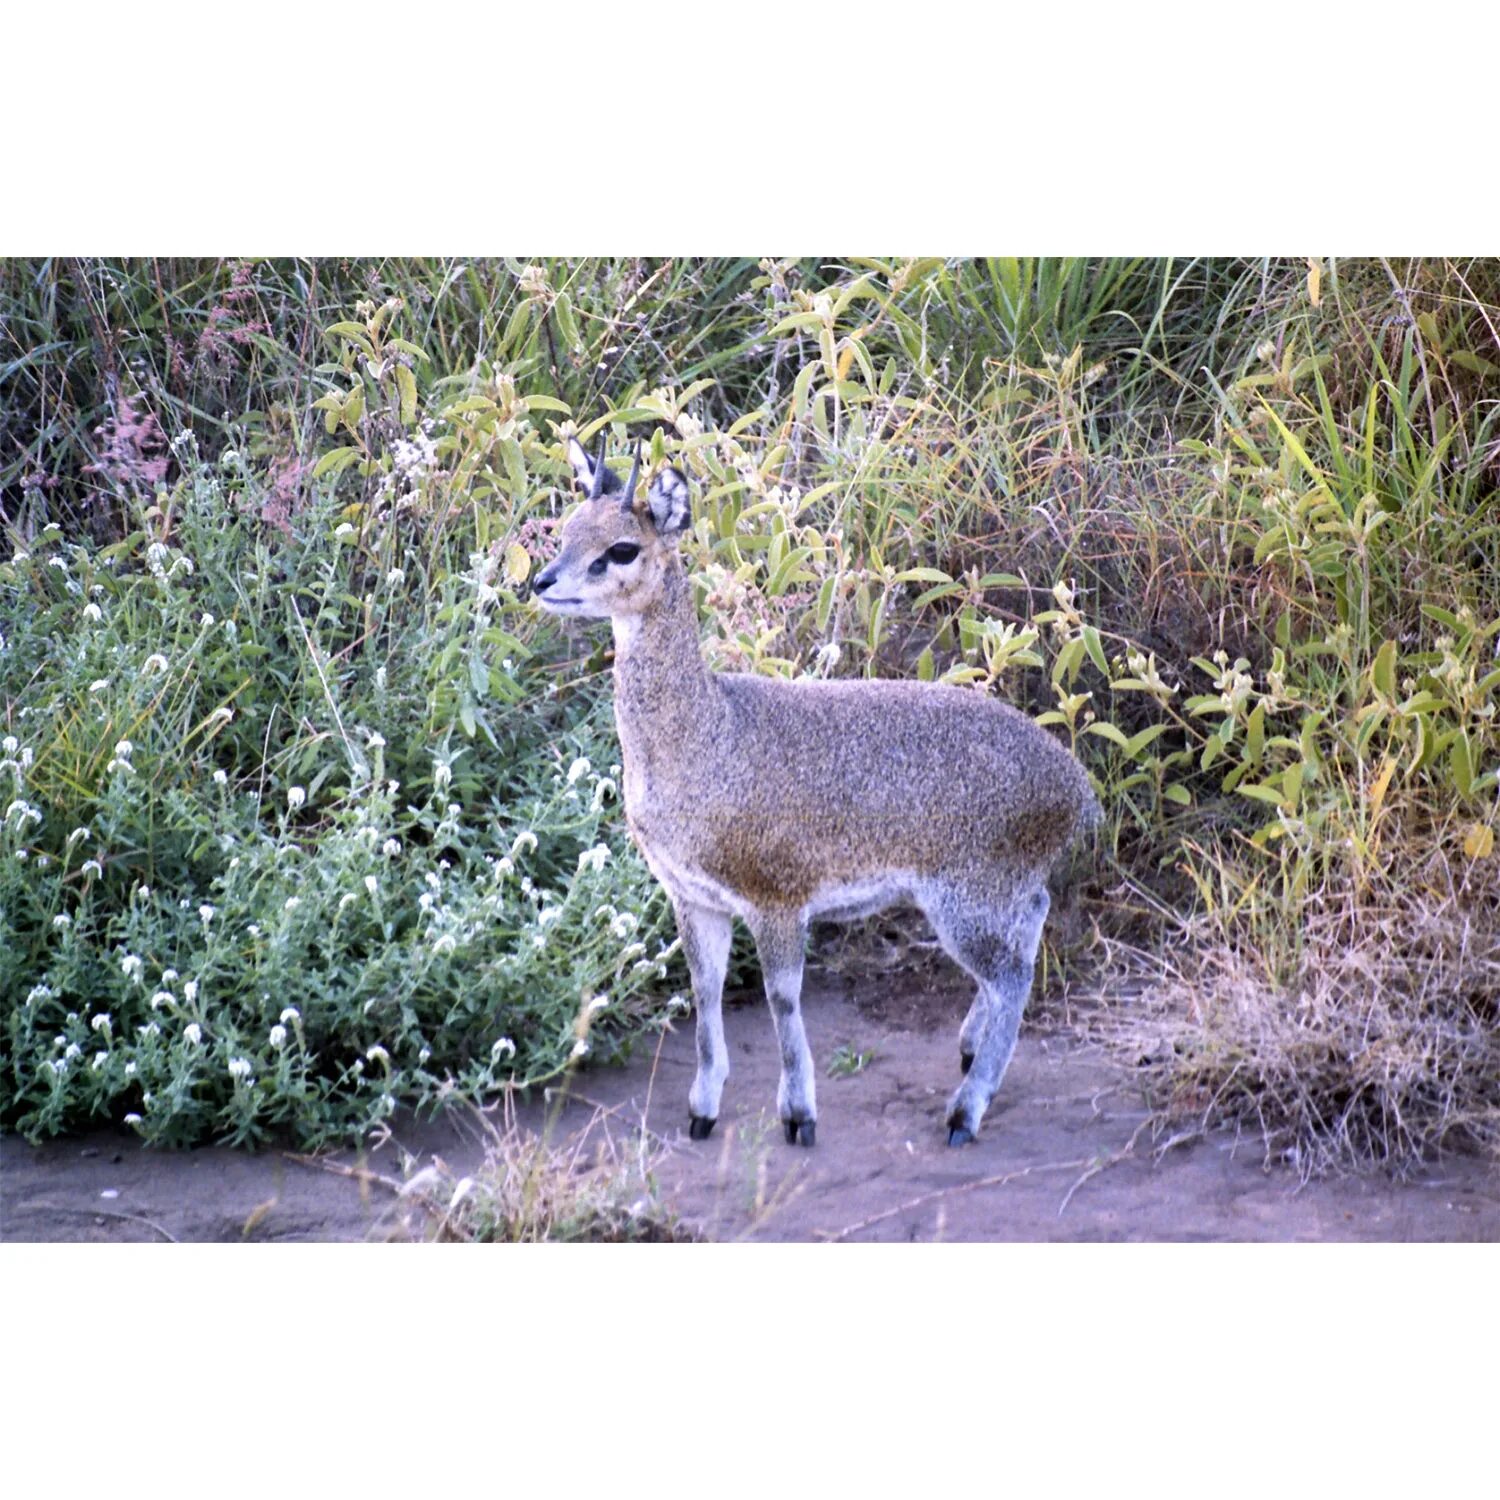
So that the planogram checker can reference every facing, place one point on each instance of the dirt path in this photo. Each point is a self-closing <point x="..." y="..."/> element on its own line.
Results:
<point x="1054" y="1161"/>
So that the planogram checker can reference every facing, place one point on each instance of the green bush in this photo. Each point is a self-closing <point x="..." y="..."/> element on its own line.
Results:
<point x="251" y="878"/>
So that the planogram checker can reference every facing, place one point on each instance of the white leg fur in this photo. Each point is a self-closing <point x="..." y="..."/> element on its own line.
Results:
<point x="705" y="944"/>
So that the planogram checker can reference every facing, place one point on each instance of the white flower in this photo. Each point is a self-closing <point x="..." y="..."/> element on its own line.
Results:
<point x="580" y="767"/>
<point x="347" y="899"/>
<point x="371" y="883"/>
<point x="377" y="1053"/>
<point x="253" y="929"/>
<point x="208" y="622"/>
<point x="91" y="611"/>
<point x="62" y="921"/>
<point x="291" y="1013"/>
<point x="295" y="797"/>
<point x="239" y="1067"/>
<point x="91" y="867"/>
<point x="156" y="662"/>
<point x="594" y="858"/>
<point x="278" y="1037"/>
<point x="375" y="740"/>
<point x="98" y="685"/>
<point x="343" y="529"/>
<point x="74" y="1052"/>
<point x="190" y="991"/>
<point x="221" y="777"/>
<point x="445" y="944"/>
<point x="207" y="913"/>
<point x="100" y="1022"/>
<point x="10" y="744"/>
<point x="526" y="839"/>
<point x="426" y="900"/>
<point x="131" y="967"/>
<point x="503" y="1048"/>
<point x="596" y="1004"/>
<point x="193" y="1033"/>
<point x="391" y="848"/>
<point x="39" y="992"/>
<point x="132" y="1119"/>
<point x="130" y="1070"/>
<point x="161" y="998"/>
<point x="169" y="976"/>
<point x="395" y="578"/>
<point x="548" y="914"/>
<point x="291" y="903"/>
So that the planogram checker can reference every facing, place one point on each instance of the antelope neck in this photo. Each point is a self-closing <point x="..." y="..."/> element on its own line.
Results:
<point x="665" y="695"/>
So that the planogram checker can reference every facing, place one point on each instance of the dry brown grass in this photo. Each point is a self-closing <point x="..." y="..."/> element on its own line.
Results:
<point x="1368" y="1035"/>
<point x="597" y="1187"/>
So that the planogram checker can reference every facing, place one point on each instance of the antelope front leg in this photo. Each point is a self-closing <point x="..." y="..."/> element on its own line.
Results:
<point x="705" y="944"/>
<point x="779" y="942"/>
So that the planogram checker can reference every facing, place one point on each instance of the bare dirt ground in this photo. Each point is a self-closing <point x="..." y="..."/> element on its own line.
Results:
<point x="1063" y="1155"/>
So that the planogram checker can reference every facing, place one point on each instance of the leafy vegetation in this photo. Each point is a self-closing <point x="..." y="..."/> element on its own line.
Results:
<point x="1229" y="526"/>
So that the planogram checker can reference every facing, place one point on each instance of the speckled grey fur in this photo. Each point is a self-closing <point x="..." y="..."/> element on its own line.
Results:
<point x="778" y="801"/>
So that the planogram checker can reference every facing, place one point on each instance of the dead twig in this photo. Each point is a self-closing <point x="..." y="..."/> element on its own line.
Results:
<point x="107" y="1213"/>
<point x="953" y="1192"/>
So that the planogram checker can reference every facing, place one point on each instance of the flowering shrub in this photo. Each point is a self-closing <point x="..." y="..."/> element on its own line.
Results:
<point x="250" y="879"/>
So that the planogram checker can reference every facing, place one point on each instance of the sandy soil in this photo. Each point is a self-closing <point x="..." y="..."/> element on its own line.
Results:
<point x="1061" y="1157"/>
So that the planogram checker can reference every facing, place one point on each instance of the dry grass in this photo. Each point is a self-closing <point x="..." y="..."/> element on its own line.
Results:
<point x="1368" y="1036"/>
<point x="598" y="1187"/>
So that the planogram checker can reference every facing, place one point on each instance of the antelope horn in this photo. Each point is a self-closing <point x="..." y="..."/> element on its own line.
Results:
<point x="628" y="503"/>
<point x="597" y="487"/>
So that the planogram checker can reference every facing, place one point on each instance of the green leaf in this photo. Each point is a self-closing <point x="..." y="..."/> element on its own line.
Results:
<point x="1068" y="659"/>
<point x="1095" y="649"/>
<point x="1461" y="763"/>
<point x="1107" y="731"/>
<point x="1383" y="670"/>
<point x="566" y="324"/>
<point x="406" y="384"/>
<point x="335" y="461"/>
<point x="1175" y="792"/>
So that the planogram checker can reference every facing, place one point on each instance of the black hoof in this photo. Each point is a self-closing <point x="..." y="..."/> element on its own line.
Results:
<point x="958" y="1136"/>
<point x="965" y="1061"/>
<point x="699" y="1127"/>
<point x="806" y="1129"/>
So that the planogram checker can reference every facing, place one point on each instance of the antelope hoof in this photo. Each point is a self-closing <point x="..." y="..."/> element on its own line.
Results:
<point x="965" y="1061"/>
<point x="959" y="1136"/>
<point x="699" y="1127"/>
<point x="806" y="1129"/>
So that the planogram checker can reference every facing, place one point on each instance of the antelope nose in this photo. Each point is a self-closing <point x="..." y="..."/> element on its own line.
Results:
<point x="543" y="581"/>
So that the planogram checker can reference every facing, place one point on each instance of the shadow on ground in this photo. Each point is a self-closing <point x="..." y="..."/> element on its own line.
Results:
<point x="1063" y="1155"/>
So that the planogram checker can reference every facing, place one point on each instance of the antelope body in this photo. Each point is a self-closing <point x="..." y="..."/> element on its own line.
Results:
<point x="777" y="801"/>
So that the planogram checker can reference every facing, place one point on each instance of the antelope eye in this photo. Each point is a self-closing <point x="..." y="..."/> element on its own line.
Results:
<point x="623" y="552"/>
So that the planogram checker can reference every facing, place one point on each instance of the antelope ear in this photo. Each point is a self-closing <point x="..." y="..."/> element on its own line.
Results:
<point x="583" y="470"/>
<point x="670" y="503"/>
